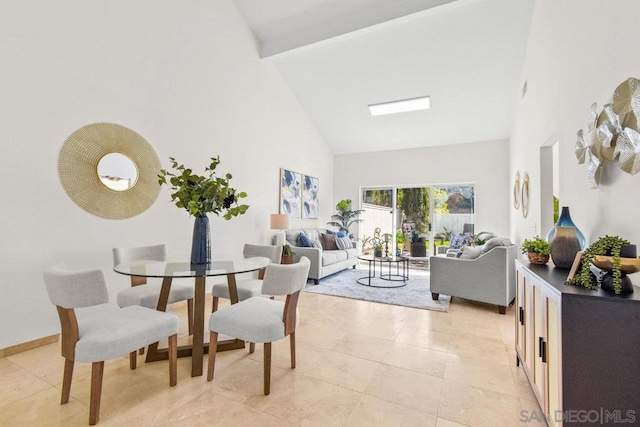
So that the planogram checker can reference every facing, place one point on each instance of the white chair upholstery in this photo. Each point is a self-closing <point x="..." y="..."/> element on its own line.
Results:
<point x="261" y="320"/>
<point x="103" y="331"/>
<point x="248" y="288"/>
<point x="146" y="294"/>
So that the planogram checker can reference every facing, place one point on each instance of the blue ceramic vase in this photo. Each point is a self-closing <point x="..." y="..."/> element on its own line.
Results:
<point x="566" y="221"/>
<point x="201" y="243"/>
<point x="566" y="240"/>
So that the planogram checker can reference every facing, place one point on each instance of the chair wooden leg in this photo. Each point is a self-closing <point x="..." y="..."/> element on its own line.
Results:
<point x="97" y="371"/>
<point x="133" y="359"/>
<point x="252" y="347"/>
<point x="190" y="315"/>
<point x="214" y="305"/>
<point x="213" y="346"/>
<point x="66" y="380"/>
<point x="292" y="344"/>
<point x="173" y="360"/>
<point x="267" y="368"/>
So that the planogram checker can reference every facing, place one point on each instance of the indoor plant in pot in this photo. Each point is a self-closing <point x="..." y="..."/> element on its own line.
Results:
<point x="607" y="253"/>
<point x="537" y="249"/>
<point x="345" y="217"/>
<point x="200" y="195"/>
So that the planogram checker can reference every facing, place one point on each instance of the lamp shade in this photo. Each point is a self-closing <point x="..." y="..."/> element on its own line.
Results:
<point x="280" y="221"/>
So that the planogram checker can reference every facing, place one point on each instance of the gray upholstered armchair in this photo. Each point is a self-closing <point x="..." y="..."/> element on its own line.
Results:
<point x="489" y="278"/>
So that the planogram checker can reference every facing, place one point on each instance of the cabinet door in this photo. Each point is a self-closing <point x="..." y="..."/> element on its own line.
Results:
<point x="521" y="304"/>
<point x="539" y="335"/>
<point x="552" y="347"/>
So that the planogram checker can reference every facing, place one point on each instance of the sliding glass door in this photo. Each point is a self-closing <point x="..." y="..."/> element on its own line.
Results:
<point x="415" y="220"/>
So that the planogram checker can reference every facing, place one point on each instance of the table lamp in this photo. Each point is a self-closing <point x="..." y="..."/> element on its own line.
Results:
<point x="280" y="222"/>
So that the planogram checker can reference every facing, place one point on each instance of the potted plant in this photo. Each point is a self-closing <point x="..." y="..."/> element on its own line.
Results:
<point x="200" y="195"/>
<point x="287" y="255"/>
<point x="377" y="250"/>
<point x="611" y="246"/>
<point x="345" y="217"/>
<point x="537" y="249"/>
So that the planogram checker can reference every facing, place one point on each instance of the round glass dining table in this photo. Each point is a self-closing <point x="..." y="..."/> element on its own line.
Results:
<point x="221" y="265"/>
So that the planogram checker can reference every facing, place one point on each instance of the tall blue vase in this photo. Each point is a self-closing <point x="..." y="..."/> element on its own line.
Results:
<point x="201" y="243"/>
<point x="566" y="221"/>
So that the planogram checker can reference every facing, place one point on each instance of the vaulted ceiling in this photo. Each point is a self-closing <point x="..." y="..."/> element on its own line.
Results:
<point x="339" y="56"/>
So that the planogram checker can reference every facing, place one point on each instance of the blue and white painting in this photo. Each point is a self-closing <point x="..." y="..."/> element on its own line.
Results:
<point x="310" y="205"/>
<point x="290" y="193"/>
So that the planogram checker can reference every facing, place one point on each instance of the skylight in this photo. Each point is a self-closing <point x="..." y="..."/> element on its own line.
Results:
<point x="402" y="106"/>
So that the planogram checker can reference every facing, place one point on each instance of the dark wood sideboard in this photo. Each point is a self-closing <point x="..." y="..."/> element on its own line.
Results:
<point x="579" y="348"/>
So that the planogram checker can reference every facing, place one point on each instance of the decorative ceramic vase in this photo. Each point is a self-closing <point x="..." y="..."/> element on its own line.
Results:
<point x="377" y="253"/>
<point x="201" y="243"/>
<point x="565" y="221"/>
<point x="564" y="246"/>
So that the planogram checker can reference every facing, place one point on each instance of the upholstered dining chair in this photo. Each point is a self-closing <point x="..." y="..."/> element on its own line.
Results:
<point x="147" y="294"/>
<point x="248" y="288"/>
<point x="263" y="320"/>
<point x="102" y="331"/>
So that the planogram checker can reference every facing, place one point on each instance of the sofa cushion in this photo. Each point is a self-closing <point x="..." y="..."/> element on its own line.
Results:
<point x="457" y="241"/>
<point x="303" y="240"/>
<point x="331" y="257"/>
<point x="470" y="252"/>
<point x="495" y="242"/>
<point x="329" y="242"/>
<point x="292" y="236"/>
<point x="317" y="244"/>
<point x="344" y="243"/>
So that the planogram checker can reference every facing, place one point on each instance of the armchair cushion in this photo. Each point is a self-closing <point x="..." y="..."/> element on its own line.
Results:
<point x="470" y="252"/>
<point x="496" y="242"/>
<point x="457" y="241"/>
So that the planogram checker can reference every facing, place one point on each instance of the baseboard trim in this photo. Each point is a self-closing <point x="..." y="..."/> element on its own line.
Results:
<point x="29" y="345"/>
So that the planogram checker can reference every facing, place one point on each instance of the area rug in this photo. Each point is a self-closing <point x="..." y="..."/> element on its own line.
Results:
<point x="416" y="294"/>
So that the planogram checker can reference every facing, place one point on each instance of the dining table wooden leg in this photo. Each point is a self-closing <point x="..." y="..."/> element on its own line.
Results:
<point x="198" y="328"/>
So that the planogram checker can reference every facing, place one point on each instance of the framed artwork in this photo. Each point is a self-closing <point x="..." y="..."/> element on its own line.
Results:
<point x="310" y="206"/>
<point x="290" y="193"/>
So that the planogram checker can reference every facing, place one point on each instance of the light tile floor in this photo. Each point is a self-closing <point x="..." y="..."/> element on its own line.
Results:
<point x="358" y="364"/>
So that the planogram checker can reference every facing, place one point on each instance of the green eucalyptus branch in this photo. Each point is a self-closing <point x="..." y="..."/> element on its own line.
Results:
<point x="203" y="194"/>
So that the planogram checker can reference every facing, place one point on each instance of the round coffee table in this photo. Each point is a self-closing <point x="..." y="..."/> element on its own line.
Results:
<point x="394" y="280"/>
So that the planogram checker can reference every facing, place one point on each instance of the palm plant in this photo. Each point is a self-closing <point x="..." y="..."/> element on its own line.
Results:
<point x="345" y="217"/>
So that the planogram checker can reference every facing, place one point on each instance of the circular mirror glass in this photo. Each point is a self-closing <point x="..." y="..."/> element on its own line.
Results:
<point x="117" y="171"/>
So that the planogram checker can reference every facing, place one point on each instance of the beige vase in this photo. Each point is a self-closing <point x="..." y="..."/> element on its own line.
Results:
<point x="564" y="246"/>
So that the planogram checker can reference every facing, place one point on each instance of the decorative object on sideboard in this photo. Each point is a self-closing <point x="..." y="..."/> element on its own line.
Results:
<point x="566" y="240"/>
<point x="346" y="217"/>
<point x="537" y="249"/>
<point x="200" y="195"/>
<point x="524" y="199"/>
<point x="612" y="133"/>
<point x="279" y="222"/>
<point x="606" y="253"/>
<point x="121" y="156"/>
<point x="516" y="192"/>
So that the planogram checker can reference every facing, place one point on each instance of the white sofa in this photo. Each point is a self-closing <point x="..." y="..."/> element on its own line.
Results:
<point x="489" y="278"/>
<point x="323" y="262"/>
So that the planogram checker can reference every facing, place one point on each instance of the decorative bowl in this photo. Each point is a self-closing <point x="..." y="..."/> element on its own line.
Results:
<point x="627" y="265"/>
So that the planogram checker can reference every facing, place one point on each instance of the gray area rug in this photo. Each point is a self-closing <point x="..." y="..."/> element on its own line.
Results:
<point x="416" y="294"/>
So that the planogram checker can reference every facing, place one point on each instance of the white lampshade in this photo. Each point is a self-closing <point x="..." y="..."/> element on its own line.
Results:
<point x="280" y="222"/>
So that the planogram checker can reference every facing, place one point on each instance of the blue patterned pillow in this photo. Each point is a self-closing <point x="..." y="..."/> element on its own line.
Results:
<point x="457" y="241"/>
<point x="304" y="241"/>
<point x="343" y="243"/>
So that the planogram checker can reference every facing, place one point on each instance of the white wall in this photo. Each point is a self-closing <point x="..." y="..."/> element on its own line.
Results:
<point x="484" y="164"/>
<point x="184" y="75"/>
<point x="578" y="53"/>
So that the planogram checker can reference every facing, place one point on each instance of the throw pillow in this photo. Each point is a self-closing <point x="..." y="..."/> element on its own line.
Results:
<point x="495" y="242"/>
<point x="317" y="244"/>
<point x="329" y="242"/>
<point x="343" y="243"/>
<point x="470" y="252"/>
<point x="303" y="240"/>
<point x="457" y="241"/>
<point x="342" y="233"/>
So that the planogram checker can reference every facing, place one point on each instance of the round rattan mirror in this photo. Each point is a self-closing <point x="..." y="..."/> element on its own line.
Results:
<point x="80" y="175"/>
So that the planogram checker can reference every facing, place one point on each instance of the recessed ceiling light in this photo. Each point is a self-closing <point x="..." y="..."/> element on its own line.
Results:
<point x="402" y="106"/>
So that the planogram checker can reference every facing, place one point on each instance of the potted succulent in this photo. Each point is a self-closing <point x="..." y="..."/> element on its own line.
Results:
<point x="605" y="253"/>
<point x="200" y="195"/>
<point x="287" y="255"/>
<point x="537" y="249"/>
